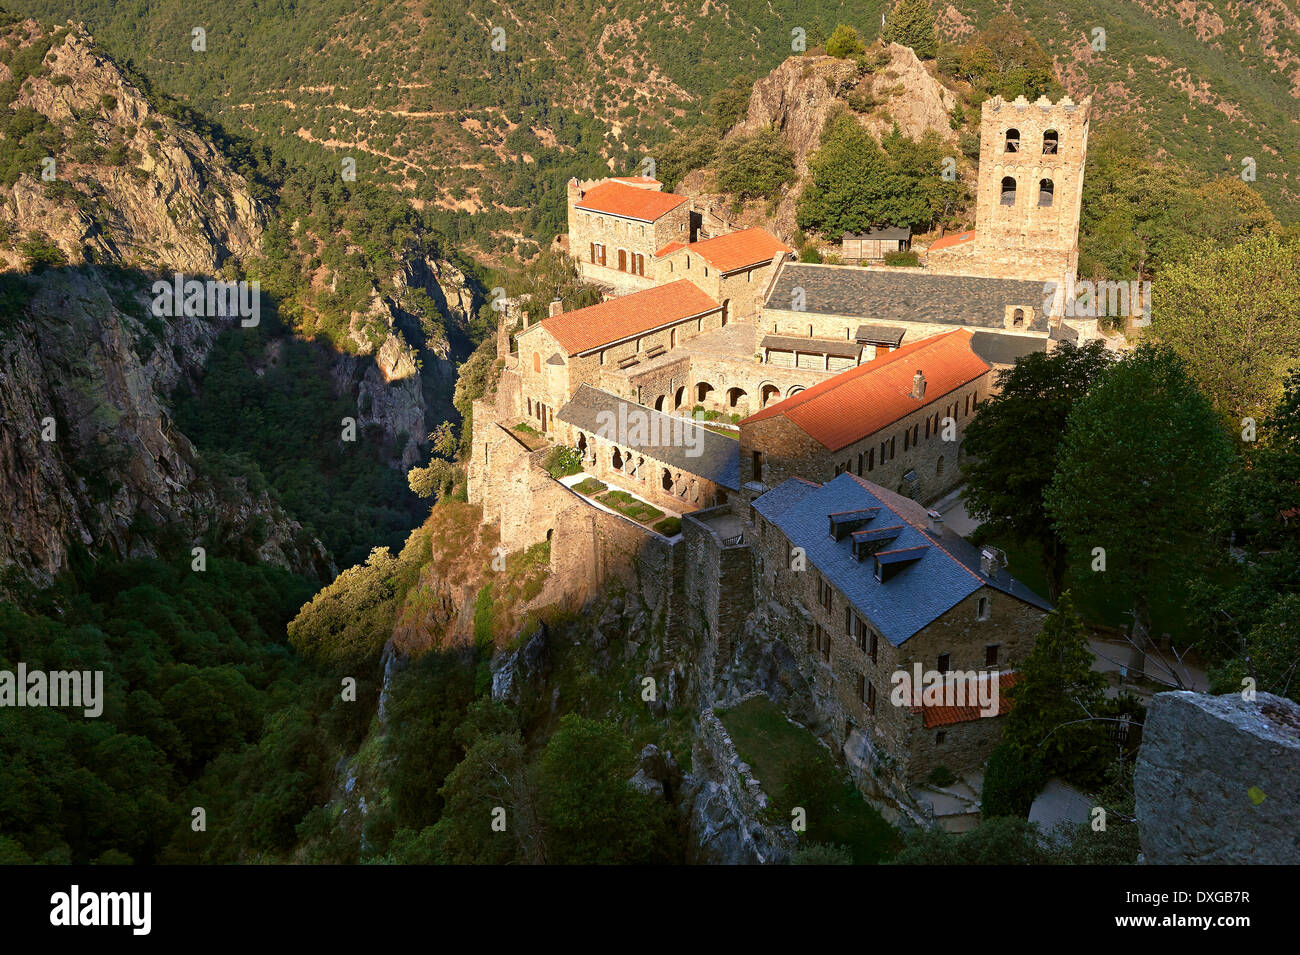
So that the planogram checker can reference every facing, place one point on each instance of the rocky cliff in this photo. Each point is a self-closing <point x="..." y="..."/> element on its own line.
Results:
<point x="798" y="96"/>
<point x="104" y="192"/>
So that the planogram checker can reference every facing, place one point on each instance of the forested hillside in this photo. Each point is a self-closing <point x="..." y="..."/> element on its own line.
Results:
<point x="418" y="95"/>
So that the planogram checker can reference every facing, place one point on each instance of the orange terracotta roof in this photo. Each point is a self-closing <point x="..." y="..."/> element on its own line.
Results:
<point x="596" y="325"/>
<point x="950" y="240"/>
<point x="619" y="199"/>
<point x="933" y="716"/>
<point x="858" y="402"/>
<point x="735" y="250"/>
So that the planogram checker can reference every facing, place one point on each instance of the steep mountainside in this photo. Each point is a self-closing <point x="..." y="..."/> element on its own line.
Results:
<point x="105" y="191"/>
<point x="419" y="97"/>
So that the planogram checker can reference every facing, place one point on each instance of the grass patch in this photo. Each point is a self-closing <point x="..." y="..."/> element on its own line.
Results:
<point x="629" y="506"/>
<point x="590" y="486"/>
<point x="526" y="428"/>
<point x="796" y="770"/>
<point x="669" y="526"/>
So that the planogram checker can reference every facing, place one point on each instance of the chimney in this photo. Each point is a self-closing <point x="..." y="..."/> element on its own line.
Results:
<point x="990" y="563"/>
<point x="935" y="523"/>
<point x="918" y="385"/>
<point x="557" y="306"/>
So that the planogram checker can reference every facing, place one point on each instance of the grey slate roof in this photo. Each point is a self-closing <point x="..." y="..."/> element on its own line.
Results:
<point x="912" y="296"/>
<point x="881" y="334"/>
<point x="947" y="572"/>
<point x="1004" y="349"/>
<point x="813" y="346"/>
<point x="677" y="443"/>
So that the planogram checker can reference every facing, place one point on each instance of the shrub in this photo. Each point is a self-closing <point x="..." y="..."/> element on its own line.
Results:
<point x="844" y="42"/>
<point x="907" y="257"/>
<point x="821" y="853"/>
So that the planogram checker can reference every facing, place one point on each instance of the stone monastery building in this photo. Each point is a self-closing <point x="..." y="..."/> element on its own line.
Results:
<point x="768" y="435"/>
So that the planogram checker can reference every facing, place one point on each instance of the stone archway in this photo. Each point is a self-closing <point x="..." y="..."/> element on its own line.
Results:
<point x="702" y="391"/>
<point x="735" y="396"/>
<point x="794" y="390"/>
<point x="616" y="460"/>
<point x="666" y="480"/>
<point x="768" y="393"/>
<point x="659" y="402"/>
<point x="679" y="398"/>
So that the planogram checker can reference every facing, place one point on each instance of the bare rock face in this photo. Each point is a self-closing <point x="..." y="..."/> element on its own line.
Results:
<point x="1218" y="780"/>
<point x="800" y="95"/>
<point x="149" y="192"/>
<point x="89" y="453"/>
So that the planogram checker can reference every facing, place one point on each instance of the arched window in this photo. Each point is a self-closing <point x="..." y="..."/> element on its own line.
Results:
<point x="938" y="468"/>
<point x="1013" y="141"/>
<point x="1008" y="191"/>
<point x="666" y="480"/>
<point x="1045" y="192"/>
<point x="1050" y="142"/>
<point x="537" y="363"/>
<point x="1018" y="317"/>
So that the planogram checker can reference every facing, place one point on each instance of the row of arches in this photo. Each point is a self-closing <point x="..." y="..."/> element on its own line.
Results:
<point x="1051" y="142"/>
<point x="735" y="399"/>
<point x="1046" y="192"/>
<point x="633" y="466"/>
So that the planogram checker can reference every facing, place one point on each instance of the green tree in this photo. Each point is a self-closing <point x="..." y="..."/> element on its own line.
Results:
<point x="844" y="41"/>
<point x="1137" y="463"/>
<point x="351" y="618"/>
<point x="911" y="23"/>
<point x="590" y="813"/>
<point x="754" y="166"/>
<point x="1057" y="689"/>
<point x="1012" y="447"/>
<point x="1233" y="316"/>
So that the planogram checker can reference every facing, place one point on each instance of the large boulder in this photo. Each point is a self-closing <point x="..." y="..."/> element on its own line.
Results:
<point x="1218" y="780"/>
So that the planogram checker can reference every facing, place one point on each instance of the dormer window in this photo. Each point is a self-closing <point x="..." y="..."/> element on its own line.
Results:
<point x="1013" y="141"/>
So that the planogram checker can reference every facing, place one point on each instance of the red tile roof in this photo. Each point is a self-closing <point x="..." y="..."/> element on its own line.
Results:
<point x="619" y="199"/>
<point x="933" y="716"/>
<point x="735" y="250"/>
<point x="950" y="240"/>
<point x="858" y="402"/>
<point x="587" y="328"/>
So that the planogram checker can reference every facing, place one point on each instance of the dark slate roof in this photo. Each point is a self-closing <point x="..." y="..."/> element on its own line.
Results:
<point x="911" y="296"/>
<point x="1005" y="349"/>
<point x="673" y="441"/>
<point x="813" y="346"/>
<point x="888" y="232"/>
<point x="922" y="590"/>
<point x="881" y="335"/>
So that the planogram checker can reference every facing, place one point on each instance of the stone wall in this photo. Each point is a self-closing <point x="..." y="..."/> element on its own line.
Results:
<point x="718" y="591"/>
<point x="740" y="292"/>
<point x="778" y="321"/>
<point x="615" y="233"/>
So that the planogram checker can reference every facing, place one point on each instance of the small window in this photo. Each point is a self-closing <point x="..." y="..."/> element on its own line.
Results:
<point x="982" y="608"/>
<point x="758" y="465"/>
<point x="943" y="663"/>
<point x="939" y="737"/>
<point x="991" y="654"/>
<point x="872" y="636"/>
<point x="1013" y="141"/>
<point x="862" y="688"/>
<point x="1008" y="190"/>
<point x="1051" y="141"/>
<point x="871" y="697"/>
<point x="1018" y="317"/>
<point x="1046" y="192"/>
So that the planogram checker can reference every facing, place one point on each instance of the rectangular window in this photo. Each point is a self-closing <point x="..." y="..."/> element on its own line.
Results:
<point x="848" y="624"/>
<point x="991" y="654"/>
<point x="943" y="663"/>
<point x="982" y="608"/>
<point x="860" y="457"/>
<point x="758" y="465"/>
<point x="871" y="697"/>
<point x="940" y="737"/>
<point x="872" y="635"/>
<point x="892" y="446"/>
<point x="907" y="439"/>
<point x="871" y="460"/>
<point x="862" y="688"/>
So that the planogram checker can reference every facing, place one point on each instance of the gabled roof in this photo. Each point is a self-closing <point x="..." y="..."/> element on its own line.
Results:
<point x="921" y="591"/>
<point x="734" y="250"/>
<point x="906" y="295"/>
<point x="616" y="197"/>
<point x="672" y="441"/>
<point x="626" y="316"/>
<point x="858" y="402"/>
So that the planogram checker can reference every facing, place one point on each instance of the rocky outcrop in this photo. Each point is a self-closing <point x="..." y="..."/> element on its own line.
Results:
<point x="1218" y="780"/>
<point x="88" y="453"/>
<point x="132" y="186"/>
<point x="798" y="96"/>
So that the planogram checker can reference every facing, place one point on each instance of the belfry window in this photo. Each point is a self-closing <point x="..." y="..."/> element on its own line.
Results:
<point x="1008" y="191"/>
<point x="1046" y="192"/>
<point x="1050" y="142"/>
<point x="1013" y="141"/>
